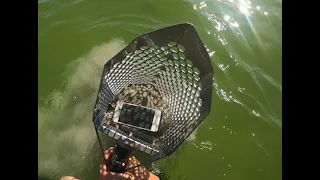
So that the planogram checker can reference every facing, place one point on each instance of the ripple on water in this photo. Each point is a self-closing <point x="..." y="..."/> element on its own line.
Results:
<point x="204" y="145"/>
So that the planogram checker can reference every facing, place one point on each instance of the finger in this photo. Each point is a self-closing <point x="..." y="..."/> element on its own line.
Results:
<point x="104" y="170"/>
<point x="68" y="178"/>
<point x="133" y="162"/>
<point x="108" y="153"/>
<point x="103" y="167"/>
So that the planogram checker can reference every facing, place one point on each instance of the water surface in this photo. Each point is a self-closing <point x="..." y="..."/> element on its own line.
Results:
<point x="241" y="139"/>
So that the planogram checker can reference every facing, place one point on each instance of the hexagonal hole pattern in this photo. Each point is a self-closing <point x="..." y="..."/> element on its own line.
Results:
<point x="175" y="77"/>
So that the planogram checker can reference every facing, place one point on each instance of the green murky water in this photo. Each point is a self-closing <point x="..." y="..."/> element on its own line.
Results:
<point x="241" y="139"/>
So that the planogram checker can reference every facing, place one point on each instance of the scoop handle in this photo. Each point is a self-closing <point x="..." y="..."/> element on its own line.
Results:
<point x="118" y="160"/>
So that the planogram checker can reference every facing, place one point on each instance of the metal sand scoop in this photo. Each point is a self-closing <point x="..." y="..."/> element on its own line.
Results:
<point x="168" y="69"/>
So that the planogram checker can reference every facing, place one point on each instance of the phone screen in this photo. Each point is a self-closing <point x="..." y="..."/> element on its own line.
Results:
<point x="137" y="116"/>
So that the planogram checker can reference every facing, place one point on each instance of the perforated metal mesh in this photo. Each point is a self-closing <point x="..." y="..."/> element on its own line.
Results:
<point x="172" y="63"/>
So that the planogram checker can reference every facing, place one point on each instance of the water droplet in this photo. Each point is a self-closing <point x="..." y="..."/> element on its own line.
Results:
<point x="253" y="135"/>
<point x="223" y="127"/>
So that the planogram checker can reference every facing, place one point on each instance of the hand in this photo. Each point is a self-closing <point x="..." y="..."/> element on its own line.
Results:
<point x="139" y="173"/>
<point x="68" y="178"/>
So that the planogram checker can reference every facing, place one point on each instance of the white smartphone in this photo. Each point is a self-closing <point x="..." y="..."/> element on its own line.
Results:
<point x="136" y="116"/>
